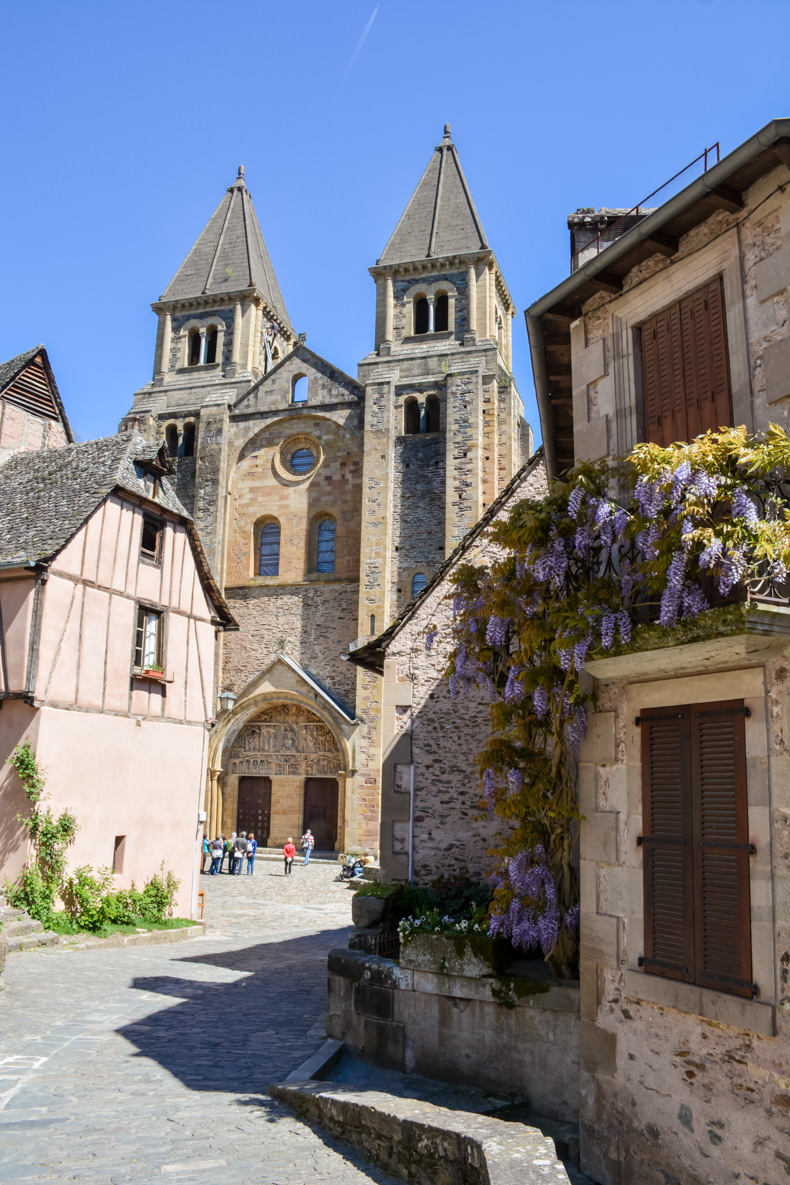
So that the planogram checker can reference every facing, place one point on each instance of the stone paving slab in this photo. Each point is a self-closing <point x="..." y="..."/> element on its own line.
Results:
<point x="129" y="1066"/>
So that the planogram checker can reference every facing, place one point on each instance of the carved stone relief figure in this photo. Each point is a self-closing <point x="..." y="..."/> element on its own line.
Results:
<point x="285" y="739"/>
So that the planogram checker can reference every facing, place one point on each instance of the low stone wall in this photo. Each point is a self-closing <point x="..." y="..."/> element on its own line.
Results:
<point x="427" y="1145"/>
<point x="502" y="1033"/>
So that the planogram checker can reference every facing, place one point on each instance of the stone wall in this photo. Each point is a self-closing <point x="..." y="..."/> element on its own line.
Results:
<point x="441" y="736"/>
<point x="681" y="1083"/>
<point x="311" y="623"/>
<point x="501" y="1033"/>
<point x="418" y="489"/>
<point x="21" y="431"/>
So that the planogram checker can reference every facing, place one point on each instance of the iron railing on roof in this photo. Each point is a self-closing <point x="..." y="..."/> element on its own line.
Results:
<point x="615" y="230"/>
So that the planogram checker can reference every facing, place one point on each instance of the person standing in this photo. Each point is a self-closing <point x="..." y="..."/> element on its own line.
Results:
<point x="308" y="843"/>
<point x="239" y="853"/>
<point x="206" y="858"/>
<point x="230" y="849"/>
<point x="289" y="851"/>
<point x="252" y="847"/>
<point x="217" y="849"/>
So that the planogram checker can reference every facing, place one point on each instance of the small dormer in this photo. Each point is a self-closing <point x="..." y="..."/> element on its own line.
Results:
<point x="32" y="415"/>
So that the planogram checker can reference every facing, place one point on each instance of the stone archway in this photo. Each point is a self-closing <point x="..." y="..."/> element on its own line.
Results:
<point x="267" y="765"/>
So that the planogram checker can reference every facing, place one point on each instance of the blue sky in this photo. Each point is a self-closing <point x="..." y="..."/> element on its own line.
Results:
<point x="124" y="123"/>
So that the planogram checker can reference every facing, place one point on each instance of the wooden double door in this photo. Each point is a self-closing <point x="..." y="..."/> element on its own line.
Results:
<point x="320" y="811"/>
<point x="255" y="808"/>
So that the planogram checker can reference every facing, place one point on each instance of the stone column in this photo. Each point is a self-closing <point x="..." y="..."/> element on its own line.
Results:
<point x="257" y="321"/>
<point x="236" y="333"/>
<point x="388" y="308"/>
<point x="167" y="337"/>
<point x="202" y="358"/>
<point x="491" y="330"/>
<point x="509" y="325"/>
<point x="471" y="284"/>
<point x="431" y="315"/>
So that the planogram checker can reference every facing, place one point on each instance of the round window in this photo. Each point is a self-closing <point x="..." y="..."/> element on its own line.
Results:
<point x="302" y="460"/>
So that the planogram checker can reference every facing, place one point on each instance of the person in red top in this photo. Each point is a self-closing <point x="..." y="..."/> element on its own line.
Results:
<point x="289" y="851"/>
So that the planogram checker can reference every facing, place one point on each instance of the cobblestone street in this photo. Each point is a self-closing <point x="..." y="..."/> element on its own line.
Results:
<point x="151" y="1063"/>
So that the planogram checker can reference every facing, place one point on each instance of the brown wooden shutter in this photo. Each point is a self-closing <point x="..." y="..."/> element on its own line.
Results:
<point x="721" y="848"/>
<point x="667" y="827"/>
<point x="685" y="368"/>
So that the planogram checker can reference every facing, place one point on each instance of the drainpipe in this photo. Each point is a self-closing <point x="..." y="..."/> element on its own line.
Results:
<point x="411" y="818"/>
<point x="537" y="351"/>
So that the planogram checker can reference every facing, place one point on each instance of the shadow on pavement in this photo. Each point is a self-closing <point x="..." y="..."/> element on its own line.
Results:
<point x="242" y="1035"/>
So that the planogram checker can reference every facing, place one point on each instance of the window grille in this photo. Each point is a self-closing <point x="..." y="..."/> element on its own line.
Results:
<point x="326" y="546"/>
<point x="302" y="460"/>
<point x="418" y="583"/>
<point x="269" y="557"/>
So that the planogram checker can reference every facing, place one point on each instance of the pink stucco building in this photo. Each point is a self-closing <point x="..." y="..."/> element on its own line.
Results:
<point x="109" y="618"/>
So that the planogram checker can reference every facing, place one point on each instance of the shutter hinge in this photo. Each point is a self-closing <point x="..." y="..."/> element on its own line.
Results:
<point x="642" y="961"/>
<point x="736" y="847"/>
<point x="665" y="716"/>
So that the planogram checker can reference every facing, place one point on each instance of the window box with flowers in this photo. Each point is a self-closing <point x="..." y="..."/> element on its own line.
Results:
<point x="447" y="947"/>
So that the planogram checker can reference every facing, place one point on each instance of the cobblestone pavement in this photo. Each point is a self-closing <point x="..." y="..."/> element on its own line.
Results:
<point x="125" y="1067"/>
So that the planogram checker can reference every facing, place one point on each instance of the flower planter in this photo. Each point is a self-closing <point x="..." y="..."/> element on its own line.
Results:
<point x="367" y="911"/>
<point x="470" y="955"/>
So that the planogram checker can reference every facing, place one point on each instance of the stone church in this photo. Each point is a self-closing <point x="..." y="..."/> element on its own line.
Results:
<point x="325" y="503"/>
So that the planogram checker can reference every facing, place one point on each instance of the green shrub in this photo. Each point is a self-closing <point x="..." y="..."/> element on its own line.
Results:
<point x="376" y="889"/>
<point x="91" y="904"/>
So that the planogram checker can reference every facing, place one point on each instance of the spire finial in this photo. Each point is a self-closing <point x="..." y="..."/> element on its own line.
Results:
<point x="241" y="171"/>
<point x="447" y="135"/>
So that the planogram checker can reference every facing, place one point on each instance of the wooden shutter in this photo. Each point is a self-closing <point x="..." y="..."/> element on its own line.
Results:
<point x="721" y="848"/>
<point x="685" y="368"/>
<point x="667" y="826"/>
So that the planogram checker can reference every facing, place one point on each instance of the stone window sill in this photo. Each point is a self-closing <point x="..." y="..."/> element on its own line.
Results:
<point x="442" y="335"/>
<point x="754" y="1016"/>
<point x="202" y="369"/>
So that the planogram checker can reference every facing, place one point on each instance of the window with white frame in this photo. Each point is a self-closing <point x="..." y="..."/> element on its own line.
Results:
<point x="148" y="638"/>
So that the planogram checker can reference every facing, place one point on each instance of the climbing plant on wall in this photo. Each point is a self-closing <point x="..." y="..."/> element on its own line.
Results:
<point x="700" y="525"/>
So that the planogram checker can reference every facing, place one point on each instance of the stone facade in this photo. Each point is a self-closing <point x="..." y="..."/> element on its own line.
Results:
<point x="399" y="502"/>
<point x="31" y="412"/>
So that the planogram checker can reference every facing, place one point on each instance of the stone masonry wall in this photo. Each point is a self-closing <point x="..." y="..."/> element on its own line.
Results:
<point x="311" y="623"/>
<point x="21" y="431"/>
<point x="681" y="1083"/>
<point x="417" y="510"/>
<point x="446" y="735"/>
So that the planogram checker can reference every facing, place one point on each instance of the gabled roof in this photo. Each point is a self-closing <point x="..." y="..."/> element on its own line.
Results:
<point x="303" y="352"/>
<point x="372" y="654"/>
<point x="440" y="218"/>
<point x="28" y="382"/>
<point x="230" y="255"/>
<point x="48" y="495"/>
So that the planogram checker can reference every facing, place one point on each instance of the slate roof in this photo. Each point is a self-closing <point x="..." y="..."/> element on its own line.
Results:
<point x="14" y="366"/>
<point x="47" y="496"/>
<point x="440" y="218"/>
<point x="229" y="255"/>
<point x="372" y="654"/>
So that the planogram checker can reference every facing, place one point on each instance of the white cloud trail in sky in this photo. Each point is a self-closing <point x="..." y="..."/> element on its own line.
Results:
<point x="361" y="41"/>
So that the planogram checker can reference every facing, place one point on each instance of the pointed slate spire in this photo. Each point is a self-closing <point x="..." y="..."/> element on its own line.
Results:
<point x="229" y="255"/>
<point x="440" y="218"/>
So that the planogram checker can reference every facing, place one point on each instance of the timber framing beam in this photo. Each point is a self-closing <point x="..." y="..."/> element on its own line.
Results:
<point x="726" y="199"/>
<point x="607" y="282"/>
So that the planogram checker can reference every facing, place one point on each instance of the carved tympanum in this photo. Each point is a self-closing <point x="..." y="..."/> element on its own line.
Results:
<point x="285" y="739"/>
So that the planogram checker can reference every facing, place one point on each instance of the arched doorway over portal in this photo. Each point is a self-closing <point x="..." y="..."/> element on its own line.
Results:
<point x="271" y="769"/>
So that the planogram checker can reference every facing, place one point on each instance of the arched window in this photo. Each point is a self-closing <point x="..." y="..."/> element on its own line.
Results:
<point x="171" y="439"/>
<point x="194" y="348"/>
<point x="189" y="440"/>
<point x="432" y="413"/>
<point x="269" y="553"/>
<point x="418" y="583"/>
<point x="411" y="417"/>
<point x="211" y="344"/>
<point x="326" y="546"/>
<point x="421" y="315"/>
<point x="299" y="389"/>
<point x="441" y="313"/>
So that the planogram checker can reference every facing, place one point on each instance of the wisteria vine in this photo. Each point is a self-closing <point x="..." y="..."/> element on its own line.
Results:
<point x="577" y="572"/>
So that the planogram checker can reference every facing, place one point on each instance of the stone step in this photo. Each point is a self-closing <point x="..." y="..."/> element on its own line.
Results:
<point x="8" y="913"/>
<point x="19" y="927"/>
<point x="33" y="941"/>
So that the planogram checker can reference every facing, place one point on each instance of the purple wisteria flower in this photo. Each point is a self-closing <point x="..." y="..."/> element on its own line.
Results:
<point x="608" y="623"/>
<point x="514" y="688"/>
<point x="624" y="622"/>
<point x="694" y="601"/>
<point x="514" y="781"/>
<point x="566" y="656"/>
<point x="574" y="502"/>
<point x="533" y="916"/>
<point x="733" y="570"/>
<point x="583" y="541"/>
<point x="706" y="483"/>
<point x="673" y="593"/>
<point x="430" y="638"/>
<point x="489" y="786"/>
<point x="497" y="630"/>
<point x="580" y="652"/>
<point x="680" y="479"/>
<point x="743" y="507"/>
<point x="686" y="532"/>
<point x="552" y="563"/>
<point x="540" y="702"/>
<point x="711" y="554"/>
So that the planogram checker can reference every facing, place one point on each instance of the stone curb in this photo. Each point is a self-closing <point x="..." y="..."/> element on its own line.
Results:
<point x="422" y="1143"/>
<point x="115" y="941"/>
